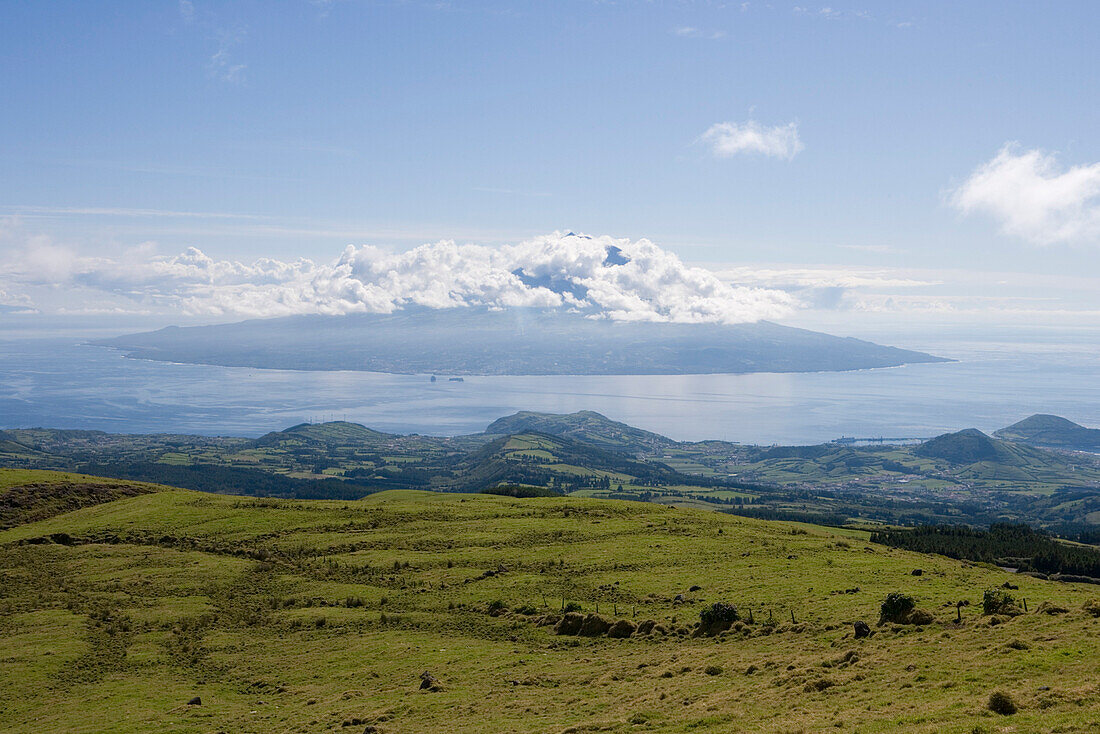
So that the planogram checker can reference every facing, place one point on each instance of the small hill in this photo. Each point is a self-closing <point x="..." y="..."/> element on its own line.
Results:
<point x="1052" y="431"/>
<point x="331" y="433"/>
<point x="11" y="445"/>
<point x="29" y="495"/>
<point x="584" y="425"/>
<point x="541" y="459"/>
<point x="975" y="456"/>
<point x="968" y="446"/>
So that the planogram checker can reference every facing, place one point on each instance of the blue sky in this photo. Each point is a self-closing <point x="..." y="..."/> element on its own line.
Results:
<point x="852" y="138"/>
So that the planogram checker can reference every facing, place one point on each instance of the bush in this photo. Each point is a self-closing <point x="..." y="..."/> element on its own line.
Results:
<point x="571" y="607"/>
<point x="896" y="608"/>
<point x="998" y="601"/>
<point x="1001" y="703"/>
<point x="719" y="613"/>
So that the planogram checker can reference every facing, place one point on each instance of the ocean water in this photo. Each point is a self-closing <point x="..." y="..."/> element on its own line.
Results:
<point x="997" y="380"/>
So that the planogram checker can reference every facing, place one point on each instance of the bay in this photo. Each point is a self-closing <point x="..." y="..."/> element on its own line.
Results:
<point x="999" y="378"/>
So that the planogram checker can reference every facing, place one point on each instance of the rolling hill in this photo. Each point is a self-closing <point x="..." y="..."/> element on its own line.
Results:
<point x="963" y="477"/>
<point x="971" y="446"/>
<point x="30" y="496"/>
<point x="972" y="454"/>
<point x="426" y="612"/>
<point x="586" y="425"/>
<point x="327" y="435"/>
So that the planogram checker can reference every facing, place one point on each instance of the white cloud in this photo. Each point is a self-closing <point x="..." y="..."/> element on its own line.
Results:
<point x="187" y="11"/>
<point x="18" y="302"/>
<point x="602" y="277"/>
<point x="1032" y="197"/>
<point x="728" y="139"/>
<point x="824" y="277"/>
<point x="687" y="31"/>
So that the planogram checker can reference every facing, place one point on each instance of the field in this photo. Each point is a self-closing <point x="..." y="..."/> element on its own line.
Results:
<point x="307" y="616"/>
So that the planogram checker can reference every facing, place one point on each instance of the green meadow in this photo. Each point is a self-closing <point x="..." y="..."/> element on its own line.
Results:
<point x="321" y="616"/>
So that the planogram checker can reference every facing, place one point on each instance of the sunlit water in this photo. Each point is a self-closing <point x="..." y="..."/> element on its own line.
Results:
<point x="64" y="384"/>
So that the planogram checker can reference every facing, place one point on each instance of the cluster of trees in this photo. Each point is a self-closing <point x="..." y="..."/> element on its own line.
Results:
<point x="520" y="490"/>
<point x="1005" y="544"/>
<point x="771" y="513"/>
<point x="230" y="480"/>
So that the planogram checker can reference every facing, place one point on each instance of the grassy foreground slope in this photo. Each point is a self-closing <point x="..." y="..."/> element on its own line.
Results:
<point x="29" y="495"/>
<point x="308" y="616"/>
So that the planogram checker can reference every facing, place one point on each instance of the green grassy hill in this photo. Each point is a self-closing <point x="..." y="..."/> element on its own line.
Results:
<point x="971" y="446"/>
<point x="555" y="461"/>
<point x="974" y="456"/>
<point x="332" y="433"/>
<point x="321" y="616"/>
<point x="584" y="425"/>
<point x="28" y="495"/>
<point x="961" y="477"/>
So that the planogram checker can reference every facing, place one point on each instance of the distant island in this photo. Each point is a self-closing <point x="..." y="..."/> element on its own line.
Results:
<point x="480" y="341"/>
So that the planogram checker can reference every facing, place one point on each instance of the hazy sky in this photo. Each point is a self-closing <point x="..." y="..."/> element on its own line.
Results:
<point x="831" y="163"/>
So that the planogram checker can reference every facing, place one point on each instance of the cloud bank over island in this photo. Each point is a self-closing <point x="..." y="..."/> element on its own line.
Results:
<point x="44" y="276"/>
<point x="603" y="277"/>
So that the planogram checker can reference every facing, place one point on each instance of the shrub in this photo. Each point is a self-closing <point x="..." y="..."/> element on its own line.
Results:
<point x="896" y="607"/>
<point x="571" y="607"/>
<point x="718" y="613"/>
<point x="1001" y="703"/>
<point x="713" y="670"/>
<point x="998" y="601"/>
